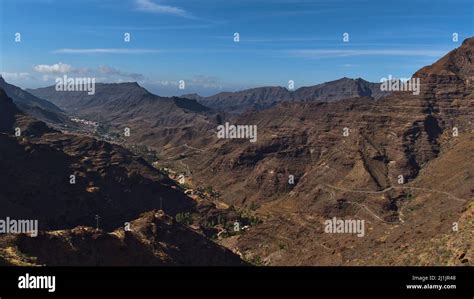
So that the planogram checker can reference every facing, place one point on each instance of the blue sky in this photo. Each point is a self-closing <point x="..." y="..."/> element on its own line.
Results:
<point x="192" y="40"/>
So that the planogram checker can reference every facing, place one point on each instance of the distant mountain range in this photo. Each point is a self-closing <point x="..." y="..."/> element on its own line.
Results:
<point x="265" y="97"/>
<point x="159" y="120"/>
<point x="169" y="121"/>
<point x="113" y="98"/>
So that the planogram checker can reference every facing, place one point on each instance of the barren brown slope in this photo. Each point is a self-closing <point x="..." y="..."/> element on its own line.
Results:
<point x="396" y="135"/>
<point x="354" y="176"/>
<point x="419" y="232"/>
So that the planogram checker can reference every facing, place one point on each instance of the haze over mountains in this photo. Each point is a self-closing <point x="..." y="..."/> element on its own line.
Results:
<point x="399" y="161"/>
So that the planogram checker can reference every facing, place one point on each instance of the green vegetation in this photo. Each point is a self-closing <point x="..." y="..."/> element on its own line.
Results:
<point x="210" y="192"/>
<point x="185" y="218"/>
<point x="257" y="260"/>
<point x="145" y="152"/>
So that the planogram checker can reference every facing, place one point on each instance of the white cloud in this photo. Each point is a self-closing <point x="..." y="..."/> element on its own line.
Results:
<point x="105" y="51"/>
<point x="104" y="72"/>
<point x="57" y="68"/>
<point x="150" y="6"/>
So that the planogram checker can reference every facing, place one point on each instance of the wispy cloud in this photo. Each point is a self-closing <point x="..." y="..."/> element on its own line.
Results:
<point x="276" y="39"/>
<point x="326" y="53"/>
<point x="152" y="7"/>
<point x="150" y="28"/>
<point x="350" y="65"/>
<point x="105" y="51"/>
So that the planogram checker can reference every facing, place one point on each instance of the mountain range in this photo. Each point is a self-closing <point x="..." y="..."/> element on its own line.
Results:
<point x="266" y="97"/>
<point x="402" y="162"/>
<point x="405" y="167"/>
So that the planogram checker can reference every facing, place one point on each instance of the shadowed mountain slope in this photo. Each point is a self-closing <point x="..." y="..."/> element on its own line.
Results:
<point x="38" y="108"/>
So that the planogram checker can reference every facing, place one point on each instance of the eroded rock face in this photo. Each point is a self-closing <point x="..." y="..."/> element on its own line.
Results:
<point x="396" y="135"/>
<point x="356" y="175"/>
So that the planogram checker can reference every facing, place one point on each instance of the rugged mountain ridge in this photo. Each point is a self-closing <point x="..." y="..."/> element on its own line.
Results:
<point x="152" y="119"/>
<point x="401" y="127"/>
<point x="116" y="97"/>
<point x="265" y="97"/>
